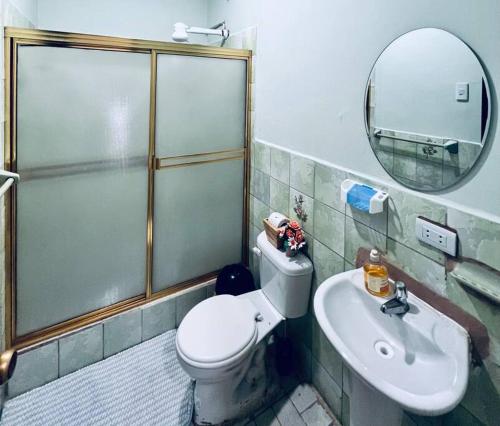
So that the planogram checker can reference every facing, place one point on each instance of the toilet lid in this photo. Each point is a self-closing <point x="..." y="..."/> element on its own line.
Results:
<point x="217" y="329"/>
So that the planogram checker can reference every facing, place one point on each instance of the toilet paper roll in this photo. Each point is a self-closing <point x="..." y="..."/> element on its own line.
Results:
<point x="277" y="219"/>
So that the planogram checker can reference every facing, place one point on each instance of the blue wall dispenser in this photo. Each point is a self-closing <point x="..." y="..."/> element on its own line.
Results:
<point x="363" y="197"/>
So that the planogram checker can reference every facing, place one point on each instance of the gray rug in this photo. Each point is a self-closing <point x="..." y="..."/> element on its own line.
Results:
<point x="143" y="385"/>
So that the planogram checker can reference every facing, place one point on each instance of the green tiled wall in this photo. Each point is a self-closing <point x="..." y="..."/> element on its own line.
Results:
<point x="335" y="234"/>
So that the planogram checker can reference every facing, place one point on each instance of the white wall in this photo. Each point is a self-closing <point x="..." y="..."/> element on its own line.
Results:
<point x="313" y="61"/>
<point x="19" y="13"/>
<point x="146" y="19"/>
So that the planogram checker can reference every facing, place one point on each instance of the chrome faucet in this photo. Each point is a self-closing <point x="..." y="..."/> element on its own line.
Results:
<point x="399" y="304"/>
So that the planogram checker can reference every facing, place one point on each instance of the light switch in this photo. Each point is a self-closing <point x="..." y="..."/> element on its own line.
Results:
<point x="462" y="92"/>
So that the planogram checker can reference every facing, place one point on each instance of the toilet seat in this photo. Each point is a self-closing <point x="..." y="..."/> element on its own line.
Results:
<point x="217" y="332"/>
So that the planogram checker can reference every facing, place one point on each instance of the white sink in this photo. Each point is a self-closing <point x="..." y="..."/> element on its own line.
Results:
<point x="419" y="360"/>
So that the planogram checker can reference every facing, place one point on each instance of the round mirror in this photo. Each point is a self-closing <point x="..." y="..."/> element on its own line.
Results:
<point x="427" y="109"/>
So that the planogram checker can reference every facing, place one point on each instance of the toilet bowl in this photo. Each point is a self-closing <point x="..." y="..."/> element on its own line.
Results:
<point x="221" y="343"/>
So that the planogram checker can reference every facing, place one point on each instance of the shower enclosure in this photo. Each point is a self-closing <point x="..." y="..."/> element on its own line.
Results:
<point x="133" y="158"/>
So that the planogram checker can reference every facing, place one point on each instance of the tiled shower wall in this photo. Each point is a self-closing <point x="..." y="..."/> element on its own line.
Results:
<point x="334" y="234"/>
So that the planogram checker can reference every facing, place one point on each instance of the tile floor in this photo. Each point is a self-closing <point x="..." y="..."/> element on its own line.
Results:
<point x="100" y="392"/>
<point x="301" y="406"/>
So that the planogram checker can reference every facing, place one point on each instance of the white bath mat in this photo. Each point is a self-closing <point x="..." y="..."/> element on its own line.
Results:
<point x="143" y="385"/>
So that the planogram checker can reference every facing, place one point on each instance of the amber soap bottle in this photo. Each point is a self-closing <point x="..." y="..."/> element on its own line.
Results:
<point x="376" y="276"/>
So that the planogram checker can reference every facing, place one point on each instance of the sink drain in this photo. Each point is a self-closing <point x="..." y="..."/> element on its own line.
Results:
<point x="384" y="349"/>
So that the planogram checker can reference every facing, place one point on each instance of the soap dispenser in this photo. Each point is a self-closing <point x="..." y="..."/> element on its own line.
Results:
<point x="376" y="276"/>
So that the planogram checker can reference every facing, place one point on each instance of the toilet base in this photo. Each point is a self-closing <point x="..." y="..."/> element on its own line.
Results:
<point x="244" y="392"/>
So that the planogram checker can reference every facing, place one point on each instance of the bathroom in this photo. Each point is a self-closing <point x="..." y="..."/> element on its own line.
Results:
<point x="147" y="145"/>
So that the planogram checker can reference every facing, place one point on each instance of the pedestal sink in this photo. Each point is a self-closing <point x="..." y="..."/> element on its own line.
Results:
<point x="418" y="361"/>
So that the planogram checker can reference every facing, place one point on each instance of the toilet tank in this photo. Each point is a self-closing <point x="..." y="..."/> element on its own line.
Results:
<point x="285" y="281"/>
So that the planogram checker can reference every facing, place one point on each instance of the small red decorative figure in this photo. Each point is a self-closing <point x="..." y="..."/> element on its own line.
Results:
<point x="294" y="238"/>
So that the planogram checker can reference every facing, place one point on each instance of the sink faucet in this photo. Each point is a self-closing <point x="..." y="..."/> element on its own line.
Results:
<point x="399" y="304"/>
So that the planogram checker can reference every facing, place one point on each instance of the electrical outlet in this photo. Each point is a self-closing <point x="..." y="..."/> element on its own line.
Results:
<point x="437" y="236"/>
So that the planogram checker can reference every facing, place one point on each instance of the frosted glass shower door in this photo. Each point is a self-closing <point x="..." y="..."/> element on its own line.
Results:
<point x="82" y="149"/>
<point x="198" y="216"/>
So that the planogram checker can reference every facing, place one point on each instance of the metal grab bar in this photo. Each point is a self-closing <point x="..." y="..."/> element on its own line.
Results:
<point x="11" y="179"/>
<point x="7" y="184"/>
<point x="443" y="142"/>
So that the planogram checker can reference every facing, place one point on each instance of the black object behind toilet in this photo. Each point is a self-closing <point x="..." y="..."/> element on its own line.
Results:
<point x="234" y="279"/>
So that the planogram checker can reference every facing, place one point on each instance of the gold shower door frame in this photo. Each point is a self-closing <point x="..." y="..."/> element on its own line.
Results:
<point x="15" y="37"/>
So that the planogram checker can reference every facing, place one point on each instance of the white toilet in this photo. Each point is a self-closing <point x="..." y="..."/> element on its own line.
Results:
<point x="221" y="342"/>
